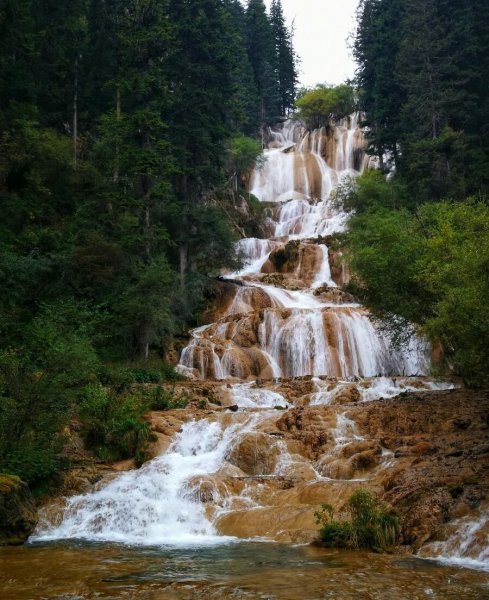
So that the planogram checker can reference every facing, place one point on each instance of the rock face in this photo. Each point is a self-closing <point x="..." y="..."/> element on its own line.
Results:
<point x="18" y="515"/>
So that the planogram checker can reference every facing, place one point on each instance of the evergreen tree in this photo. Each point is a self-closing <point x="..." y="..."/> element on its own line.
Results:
<point x="285" y="58"/>
<point x="376" y="50"/>
<point x="264" y="61"/>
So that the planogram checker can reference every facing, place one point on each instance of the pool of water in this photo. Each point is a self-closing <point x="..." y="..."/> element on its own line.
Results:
<point x="265" y="571"/>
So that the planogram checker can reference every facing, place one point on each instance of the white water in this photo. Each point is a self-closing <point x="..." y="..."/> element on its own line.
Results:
<point x="467" y="545"/>
<point x="298" y="334"/>
<point x="374" y="389"/>
<point x="323" y="276"/>
<point x="247" y="395"/>
<point x="157" y="504"/>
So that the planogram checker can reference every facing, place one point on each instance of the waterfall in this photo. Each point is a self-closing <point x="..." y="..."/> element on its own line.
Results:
<point x="159" y="503"/>
<point x="283" y="315"/>
<point x="467" y="543"/>
<point x="280" y="332"/>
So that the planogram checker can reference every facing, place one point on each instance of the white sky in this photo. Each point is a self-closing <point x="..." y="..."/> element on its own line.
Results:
<point x="321" y="31"/>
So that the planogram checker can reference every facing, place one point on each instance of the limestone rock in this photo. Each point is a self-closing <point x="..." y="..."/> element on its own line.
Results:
<point x="255" y="454"/>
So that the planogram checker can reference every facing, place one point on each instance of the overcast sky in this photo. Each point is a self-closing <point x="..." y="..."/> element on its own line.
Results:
<point x="321" y="31"/>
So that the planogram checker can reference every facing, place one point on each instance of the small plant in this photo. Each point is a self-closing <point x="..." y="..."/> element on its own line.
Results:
<point x="373" y="524"/>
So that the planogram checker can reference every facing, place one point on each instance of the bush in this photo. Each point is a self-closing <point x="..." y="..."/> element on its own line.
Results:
<point x="113" y="425"/>
<point x="427" y="267"/>
<point x="122" y="376"/>
<point x="39" y="384"/>
<point x="372" y="524"/>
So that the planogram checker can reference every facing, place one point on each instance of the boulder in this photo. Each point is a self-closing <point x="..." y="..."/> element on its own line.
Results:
<point x="18" y="514"/>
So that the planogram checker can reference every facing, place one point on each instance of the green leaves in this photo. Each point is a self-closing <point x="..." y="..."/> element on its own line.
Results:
<point x="319" y="106"/>
<point x="372" y="524"/>
<point x="429" y="267"/>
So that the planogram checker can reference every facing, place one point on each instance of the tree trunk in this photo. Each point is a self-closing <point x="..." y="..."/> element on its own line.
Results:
<point x="183" y="264"/>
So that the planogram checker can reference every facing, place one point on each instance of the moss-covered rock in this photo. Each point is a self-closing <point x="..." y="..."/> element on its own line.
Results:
<point x="18" y="514"/>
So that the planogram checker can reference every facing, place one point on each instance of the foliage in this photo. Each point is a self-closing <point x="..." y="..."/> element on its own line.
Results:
<point x="113" y="422"/>
<point x="427" y="267"/>
<point x="165" y="398"/>
<point x="371" y="190"/>
<point x="38" y="385"/>
<point x="113" y="121"/>
<point x="124" y="375"/>
<point x="244" y="153"/>
<point x="372" y="524"/>
<point x="113" y="425"/>
<point x="318" y="106"/>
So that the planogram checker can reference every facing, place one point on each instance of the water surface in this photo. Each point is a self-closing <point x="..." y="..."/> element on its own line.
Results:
<point x="76" y="571"/>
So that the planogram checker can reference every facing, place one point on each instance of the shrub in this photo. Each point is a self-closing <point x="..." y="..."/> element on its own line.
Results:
<point x="113" y="425"/>
<point x="161" y="398"/>
<point x="122" y="376"/>
<point x="372" y="524"/>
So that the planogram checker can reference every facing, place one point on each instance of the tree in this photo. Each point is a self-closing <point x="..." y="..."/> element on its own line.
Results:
<point x="321" y="105"/>
<point x="264" y="60"/>
<point x="285" y="57"/>
<point x="376" y="48"/>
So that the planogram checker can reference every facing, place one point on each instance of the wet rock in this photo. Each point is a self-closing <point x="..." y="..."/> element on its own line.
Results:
<point x="348" y="394"/>
<point x="18" y="514"/>
<point x="255" y="454"/>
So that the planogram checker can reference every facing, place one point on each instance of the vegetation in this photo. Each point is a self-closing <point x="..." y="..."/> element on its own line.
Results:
<point x="419" y="240"/>
<point x="318" y="106"/>
<point x="424" y="91"/>
<point x="372" y="524"/>
<point x="426" y="265"/>
<point x="114" y="118"/>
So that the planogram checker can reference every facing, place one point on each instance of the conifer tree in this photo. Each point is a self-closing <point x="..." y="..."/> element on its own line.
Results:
<point x="264" y="61"/>
<point x="285" y="57"/>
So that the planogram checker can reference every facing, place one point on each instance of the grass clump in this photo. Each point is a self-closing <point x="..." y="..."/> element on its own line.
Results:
<point x="372" y="524"/>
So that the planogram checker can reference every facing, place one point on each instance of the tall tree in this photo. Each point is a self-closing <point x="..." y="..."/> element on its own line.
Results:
<point x="285" y="58"/>
<point x="376" y="49"/>
<point x="263" y="59"/>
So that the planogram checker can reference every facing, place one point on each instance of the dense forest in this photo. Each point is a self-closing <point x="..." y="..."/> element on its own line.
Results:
<point x="123" y="125"/>
<point x="420" y="237"/>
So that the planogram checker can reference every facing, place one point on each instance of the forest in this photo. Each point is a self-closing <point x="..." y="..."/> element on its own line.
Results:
<point x="124" y="126"/>
<point x="420" y="236"/>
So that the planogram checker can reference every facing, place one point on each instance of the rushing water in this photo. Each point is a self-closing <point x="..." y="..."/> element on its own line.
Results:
<point x="167" y="522"/>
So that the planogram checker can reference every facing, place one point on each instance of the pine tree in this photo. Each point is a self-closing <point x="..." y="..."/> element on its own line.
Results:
<point x="264" y="61"/>
<point x="286" y="61"/>
<point x="376" y="48"/>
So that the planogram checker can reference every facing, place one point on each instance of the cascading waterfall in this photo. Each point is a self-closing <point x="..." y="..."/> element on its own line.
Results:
<point x="293" y="332"/>
<point x="159" y="503"/>
<point x="278" y="324"/>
